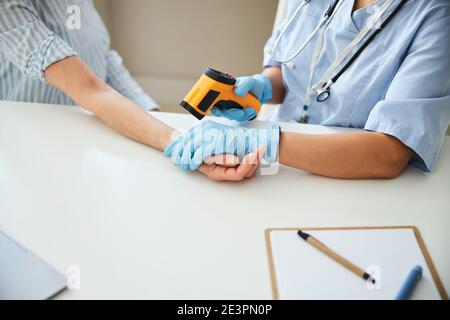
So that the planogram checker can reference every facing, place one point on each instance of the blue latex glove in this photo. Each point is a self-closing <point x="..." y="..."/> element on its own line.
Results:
<point x="259" y="85"/>
<point x="209" y="138"/>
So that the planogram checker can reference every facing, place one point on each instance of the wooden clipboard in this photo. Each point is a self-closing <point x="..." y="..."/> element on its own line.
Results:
<point x="435" y="275"/>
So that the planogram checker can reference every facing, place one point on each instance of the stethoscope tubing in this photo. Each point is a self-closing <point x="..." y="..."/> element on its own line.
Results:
<point x="367" y="42"/>
<point x="325" y="91"/>
<point x="328" y="15"/>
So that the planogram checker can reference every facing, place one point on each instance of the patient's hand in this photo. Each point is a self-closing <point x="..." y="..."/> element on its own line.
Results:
<point x="227" y="168"/>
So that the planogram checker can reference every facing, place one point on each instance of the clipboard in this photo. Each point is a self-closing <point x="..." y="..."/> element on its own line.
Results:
<point x="435" y="279"/>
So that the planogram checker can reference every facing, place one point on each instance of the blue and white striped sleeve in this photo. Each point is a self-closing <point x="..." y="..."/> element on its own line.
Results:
<point x="26" y="41"/>
<point x="120" y="79"/>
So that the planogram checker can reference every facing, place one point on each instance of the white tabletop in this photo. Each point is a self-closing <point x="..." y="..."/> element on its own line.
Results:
<point x="77" y="193"/>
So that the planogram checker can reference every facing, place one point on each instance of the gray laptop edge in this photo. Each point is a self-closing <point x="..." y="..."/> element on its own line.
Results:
<point x="24" y="276"/>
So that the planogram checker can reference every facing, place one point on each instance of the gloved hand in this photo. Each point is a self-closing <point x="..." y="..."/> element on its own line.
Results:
<point x="190" y="149"/>
<point x="259" y="85"/>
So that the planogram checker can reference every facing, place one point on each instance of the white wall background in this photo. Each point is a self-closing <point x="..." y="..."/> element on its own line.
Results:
<point x="167" y="44"/>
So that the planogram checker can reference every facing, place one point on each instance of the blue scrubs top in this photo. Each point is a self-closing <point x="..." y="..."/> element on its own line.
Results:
<point x="399" y="85"/>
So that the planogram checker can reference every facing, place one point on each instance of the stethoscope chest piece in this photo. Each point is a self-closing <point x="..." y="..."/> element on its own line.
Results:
<point x="323" y="96"/>
<point x="322" y="91"/>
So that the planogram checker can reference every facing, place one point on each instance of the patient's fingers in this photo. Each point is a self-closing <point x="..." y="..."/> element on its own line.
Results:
<point x="222" y="173"/>
<point x="259" y="155"/>
<point x="226" y="160"/>
<point x="238" y="173"/>
<point x="249" y="165"/>
<point x="246" y="169"/>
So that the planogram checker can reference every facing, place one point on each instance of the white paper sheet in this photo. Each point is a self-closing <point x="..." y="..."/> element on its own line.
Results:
<point x="303" y="272"/>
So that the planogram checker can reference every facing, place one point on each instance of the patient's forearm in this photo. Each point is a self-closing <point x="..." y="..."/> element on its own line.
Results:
<point x="128" y="119"/>
<point x="75" y="79"/>
<point x="356" y="155"/>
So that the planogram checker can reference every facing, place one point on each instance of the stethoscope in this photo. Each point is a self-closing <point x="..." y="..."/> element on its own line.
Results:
<point x="322" y="89"/>
<point x="327" y="16"/>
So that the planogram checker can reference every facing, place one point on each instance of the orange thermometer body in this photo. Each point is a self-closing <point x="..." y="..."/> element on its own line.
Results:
<point x="216" y="88"/>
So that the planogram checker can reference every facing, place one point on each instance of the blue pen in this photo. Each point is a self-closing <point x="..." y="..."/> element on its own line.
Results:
<point x="410" y="283"/>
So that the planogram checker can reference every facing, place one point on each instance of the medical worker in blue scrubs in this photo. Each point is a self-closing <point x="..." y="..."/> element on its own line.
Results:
<point x="378" y="65"/>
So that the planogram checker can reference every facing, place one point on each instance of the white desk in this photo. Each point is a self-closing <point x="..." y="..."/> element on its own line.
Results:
<point x="77" y="193"/>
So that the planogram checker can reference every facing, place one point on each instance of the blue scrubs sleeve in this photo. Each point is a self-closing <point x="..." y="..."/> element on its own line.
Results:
<point x="416" y="109"/>
<point x="268" y="60"/>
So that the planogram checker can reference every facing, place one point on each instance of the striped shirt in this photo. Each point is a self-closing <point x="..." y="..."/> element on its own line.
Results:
<point x="36" y="33"/>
